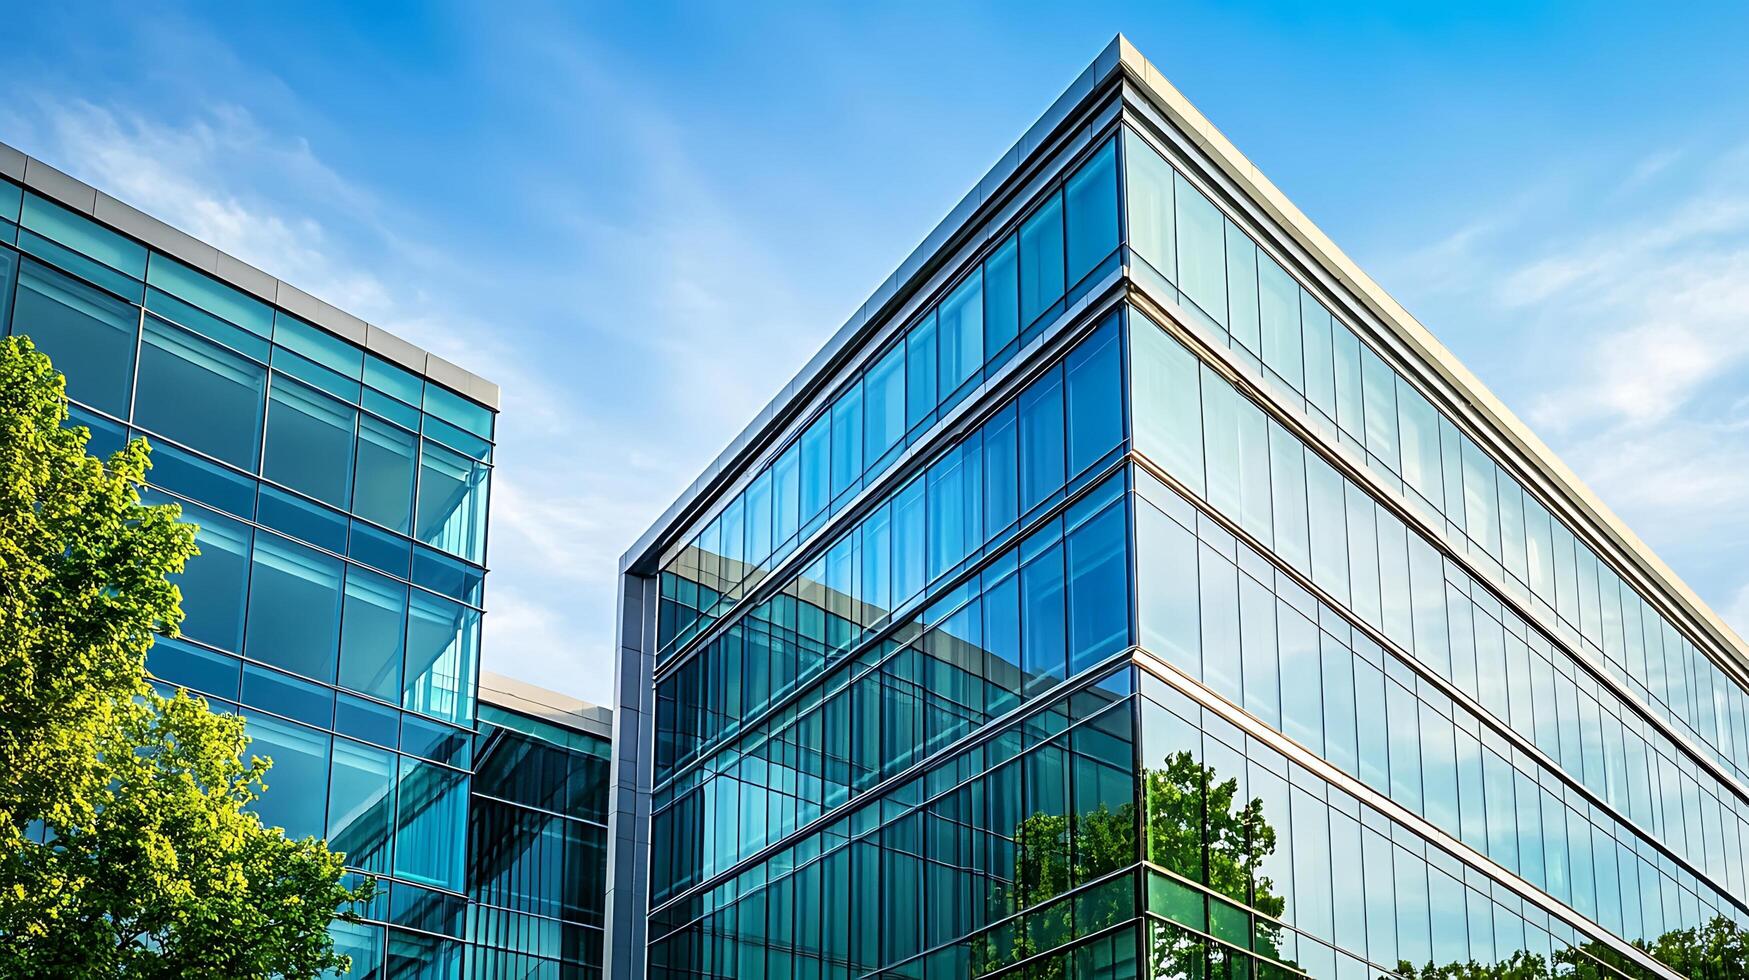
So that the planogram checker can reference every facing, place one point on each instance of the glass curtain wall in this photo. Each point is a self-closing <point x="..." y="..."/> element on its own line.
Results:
<point x="341" y="502"/>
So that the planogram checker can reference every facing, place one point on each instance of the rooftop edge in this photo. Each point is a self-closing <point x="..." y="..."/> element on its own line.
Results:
<point x="550" y="706"/>
<point x="37" y="176"/>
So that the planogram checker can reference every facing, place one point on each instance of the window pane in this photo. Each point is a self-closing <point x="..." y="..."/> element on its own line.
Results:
<point x="1167" y="409"/>
<point x="1041" y="604"/>
<point x="1041" y="440"/>
<point x="297" y="786"/>
<point x="294" y="608"/>
<point x="1166" y="583"/>
<point x="215" y="583"/>
<point x="309" y="442"/>
<point x="200" y="394"/>
<point x="1148" y="181"/>
<point x="1095" y="402"/>
<point x="960" y="329"/>
<point x="1279" y="309"/>
<point x="383" y="489"/>
<point x="372" y="634"/>
<point x="1302" y="714"/>
<point x="443" y="643"/>
<point x="88" y="334"/>
<point x="430" y="823"/>
<point x="1001" y="298"/>
<point x="1041" y="260"/>
<point x="1098" y="590"/>
<point x="884" y="414"/>
<point x="1091" y="199"/>
<point x="361" y="804"/>
<point x="1320" y="357"/>
<point x="1287" y="466"/>
<point x="846" y="448"/>
<point x="1202" y="250"/>
<point x="452" y="502"/>
<point x="920" y="391"/>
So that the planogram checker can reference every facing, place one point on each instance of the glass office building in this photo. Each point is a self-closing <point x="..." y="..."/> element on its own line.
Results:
<point x="1131" y="588"/>
<point x="340" y="478"/>
<point x="537" y="834"/>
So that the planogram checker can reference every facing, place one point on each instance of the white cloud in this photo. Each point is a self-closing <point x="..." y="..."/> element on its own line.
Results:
<point x="1629" y="343"/>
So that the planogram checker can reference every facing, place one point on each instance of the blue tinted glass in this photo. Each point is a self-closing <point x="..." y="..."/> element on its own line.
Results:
<point x="86" y="269"/>
<point x="816" y="446"/>
<point x="83" y="235"/>
<point x="393" y="380"/>
<point x="405" y="416"/>
<point x="88" y="335"/>
<point x="1041" y="439"/>
<point x="215" y="582"/>
<point x="302" y="368"/>
<point x="435" y="741"/>
<point x="443" y="645"/>
<point x="452" y="502"/>
<point x="884" y="412"/>
<point x="455" y="438"/>
<point x="960" y="333"/>
<point x="459" y="411"/>
<point x="1041" y="260"/>
<point x="430" y="824"/>
<point x="294" y="608"/>
<point x="211" y="296"/>
<point x="367" y="720"/>
<point x="786" y="495"/>
<point x="302" y="519"/>
<point x="309" y="442"/>
<point x="107" y="435"/>
<point x="361" y="804"/>
<point x="920" y="375"/>
<point x="1001" y="298"/>
<point x="1095" y="398"/>
<point x="297" y="786"/>
<point x="11" y="197"/>
<point x="1098" y="584"/>
<point x="1042" y="652"/>
<point x="200" y="394"/>
<point x="185" y="665"/>
<point x="1091" y="207"/>
<point x="846" y="440"/>
<point x="191" y="476"/>
<point x="8" y="279"/>
<point x="1001" y="471"/>
<point x="286" y="695"/>
<point x="444" y="574"/>
<point x="383" y="487"/>
<point x="380" y="549"/>
<point x="372" y="634"/>
<point x="316" y="344"/>
<point x="205" y="324"/>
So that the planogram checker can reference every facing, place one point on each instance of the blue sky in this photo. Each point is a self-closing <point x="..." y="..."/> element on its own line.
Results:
<point x="642" y="219"/>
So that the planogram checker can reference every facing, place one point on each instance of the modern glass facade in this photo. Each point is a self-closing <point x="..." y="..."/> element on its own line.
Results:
<point x="537" y="835"/>
<point x="1131" y="589"/>
<point x="340" y="481"/>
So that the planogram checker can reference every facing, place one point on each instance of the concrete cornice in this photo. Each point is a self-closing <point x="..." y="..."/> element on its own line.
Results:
<point x="81" y="197"/>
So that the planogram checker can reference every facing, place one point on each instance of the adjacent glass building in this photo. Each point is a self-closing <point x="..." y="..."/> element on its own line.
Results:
<point x="1131" y="588"/>
<point x="340" y="478"/>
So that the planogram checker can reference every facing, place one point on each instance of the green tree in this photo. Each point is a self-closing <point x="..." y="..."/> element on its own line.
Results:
<point x="125" y="848"/>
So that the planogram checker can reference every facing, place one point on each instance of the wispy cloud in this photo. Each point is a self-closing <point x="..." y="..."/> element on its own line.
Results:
<point x="1631" y="333"/>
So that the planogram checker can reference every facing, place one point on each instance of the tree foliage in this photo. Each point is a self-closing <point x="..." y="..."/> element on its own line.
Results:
<point x="125" y="849"/>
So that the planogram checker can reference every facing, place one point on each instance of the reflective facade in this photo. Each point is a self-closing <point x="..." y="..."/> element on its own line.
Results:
<point x="537" y="834"/>
<point x="340" y="480"/>
<point x="1130" y="589"/>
